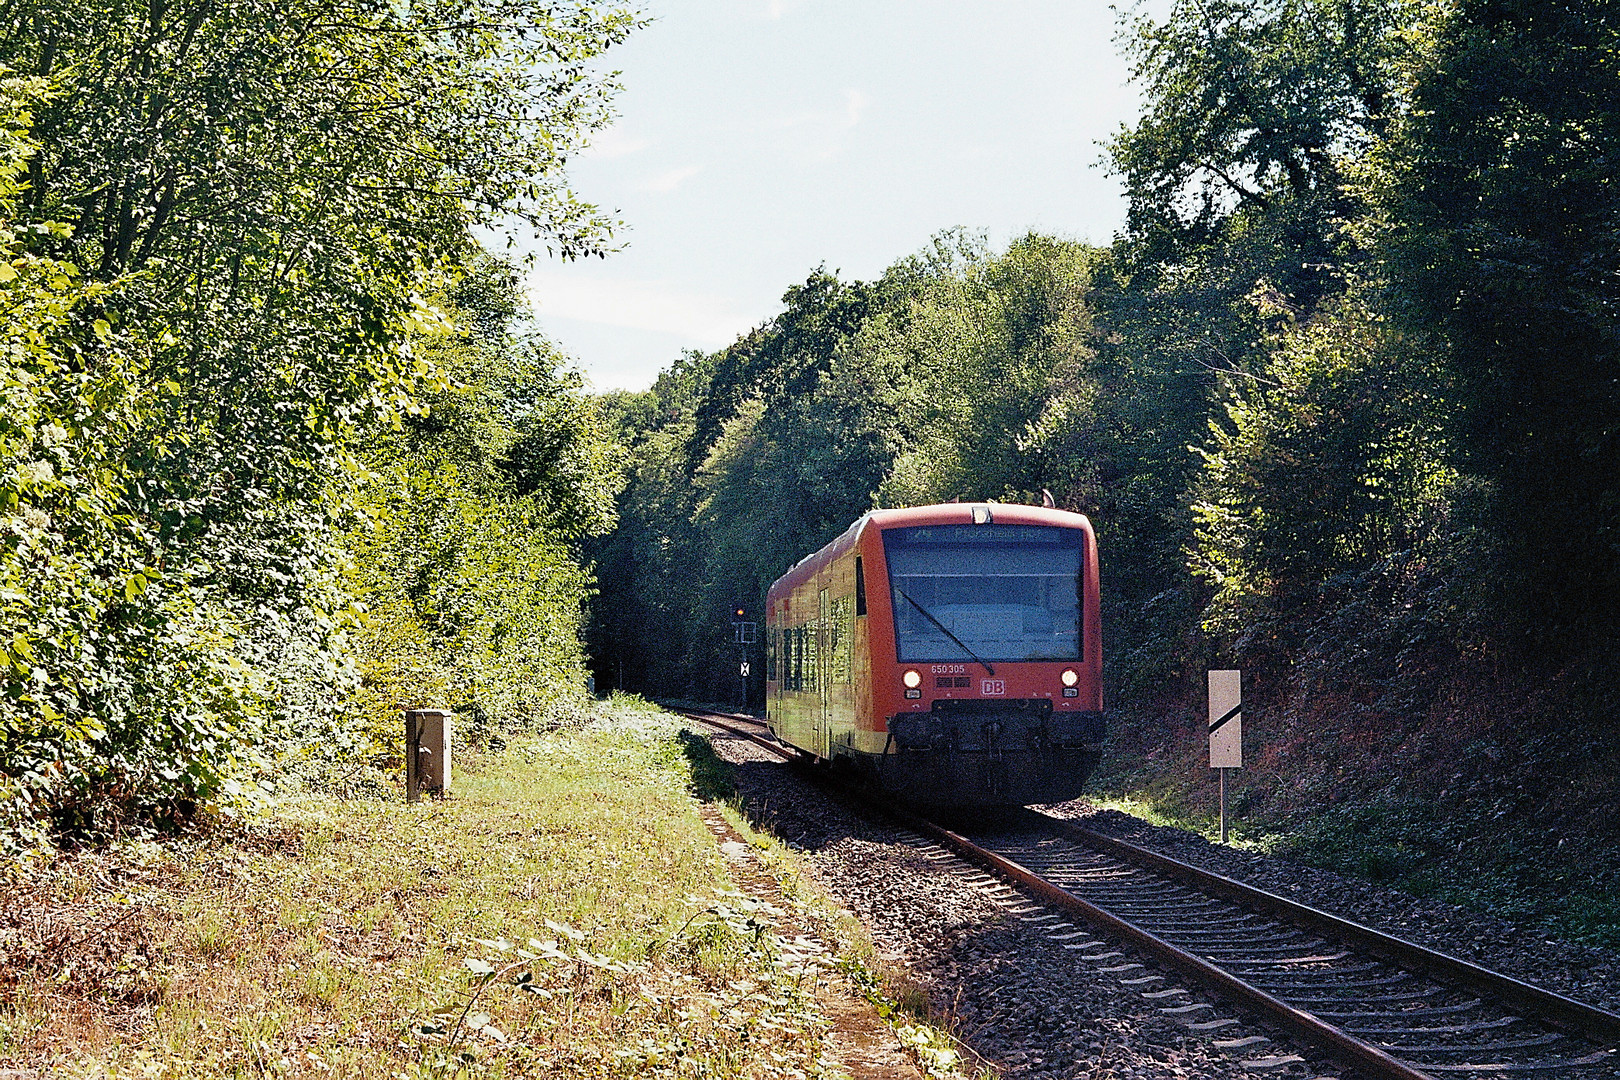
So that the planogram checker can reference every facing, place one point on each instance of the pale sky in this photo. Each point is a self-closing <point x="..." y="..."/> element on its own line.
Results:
<point x="759" y="139"/>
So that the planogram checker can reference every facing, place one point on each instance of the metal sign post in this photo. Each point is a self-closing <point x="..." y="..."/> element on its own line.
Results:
<point x="427" y="752"/>
<point x="1225" y="728"/>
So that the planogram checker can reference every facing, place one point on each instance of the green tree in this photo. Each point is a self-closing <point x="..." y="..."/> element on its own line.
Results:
<point x="464" y="560"/>
<point x="256" y="198"/>
<point x="1254" y="116"/>
<point x="641" y="629"/>
<point x="1249" y="105"/>
<point x="997" y="352"/>
<point x="1330" y="461"/>
<point x="1498" y="220"/>
<point x="115" y="680"/>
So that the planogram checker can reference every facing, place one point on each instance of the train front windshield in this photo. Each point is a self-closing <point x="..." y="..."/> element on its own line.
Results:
<point x="985" y="592"/>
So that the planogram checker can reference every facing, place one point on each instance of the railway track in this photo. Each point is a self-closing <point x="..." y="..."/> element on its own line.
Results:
<point x="1395" y="1009"/>
<point x="1392" y="1008"/>
<point x="748" y="727"/>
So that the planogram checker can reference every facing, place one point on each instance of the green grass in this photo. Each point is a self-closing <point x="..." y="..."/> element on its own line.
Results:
<point x="1456" y="852"/>
<point x="566" y="913"/>
<point x="1511" y="868"/>
<point x="1171" y="813"/>
<point x="358" y="937"/>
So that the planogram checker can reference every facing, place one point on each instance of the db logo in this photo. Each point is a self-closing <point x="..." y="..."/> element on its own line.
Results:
<point x="993" y="688"/>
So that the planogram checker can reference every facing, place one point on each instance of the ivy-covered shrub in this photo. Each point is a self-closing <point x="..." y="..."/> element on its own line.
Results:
<point x="119" y="687"/>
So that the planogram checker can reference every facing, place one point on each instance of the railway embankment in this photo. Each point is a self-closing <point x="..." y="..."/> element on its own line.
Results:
<point x="1473" y="783"/>
<point x="582" y="905"/>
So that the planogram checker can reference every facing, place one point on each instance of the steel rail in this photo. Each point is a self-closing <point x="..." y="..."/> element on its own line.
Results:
<point x="1379" y="1062"/>
<point x="1313" y="1028"/>
<point x="1561" y="1012"/>
<point x="1533" y="1002"/>
<point x="731" y="723"/>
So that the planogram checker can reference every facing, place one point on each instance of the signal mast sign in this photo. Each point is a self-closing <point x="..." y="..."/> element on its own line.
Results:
<point x="1226" y="719"/>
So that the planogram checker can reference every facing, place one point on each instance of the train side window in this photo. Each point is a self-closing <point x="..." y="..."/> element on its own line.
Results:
<point x="860" y="587"/>
<point x="770" y="654"/>
<point x="790" y="658"/>
<point x="840" y="637"/>
<point x="811" y="675"/>
<point x="798" y="657"/>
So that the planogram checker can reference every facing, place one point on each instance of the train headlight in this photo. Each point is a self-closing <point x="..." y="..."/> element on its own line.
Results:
<point x="1070" y="677"/>
<point x="912" y="680"/>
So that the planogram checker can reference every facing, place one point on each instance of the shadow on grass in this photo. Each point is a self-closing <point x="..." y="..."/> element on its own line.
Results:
<point x="711" y="777"/>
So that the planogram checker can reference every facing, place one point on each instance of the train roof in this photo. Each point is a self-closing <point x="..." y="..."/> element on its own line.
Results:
<point x="957" y="513"/>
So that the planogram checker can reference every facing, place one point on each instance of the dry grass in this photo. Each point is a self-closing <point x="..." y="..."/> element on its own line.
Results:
<point x="565" y="914"/>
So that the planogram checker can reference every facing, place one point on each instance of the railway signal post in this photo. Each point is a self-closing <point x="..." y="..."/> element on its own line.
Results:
<point x="1225" y="728"/>
<point x="743" y="634"/>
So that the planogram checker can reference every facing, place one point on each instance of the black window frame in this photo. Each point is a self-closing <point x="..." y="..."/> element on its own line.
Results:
<point x="1081" y="568"/>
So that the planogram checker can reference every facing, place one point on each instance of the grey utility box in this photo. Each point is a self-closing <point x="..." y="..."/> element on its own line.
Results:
<point x="427" y="753"/>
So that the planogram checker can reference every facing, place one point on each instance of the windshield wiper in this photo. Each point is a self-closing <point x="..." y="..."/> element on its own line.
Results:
<point x="946" y="630"/>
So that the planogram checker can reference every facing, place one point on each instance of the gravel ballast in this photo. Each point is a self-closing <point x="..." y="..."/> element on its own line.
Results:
<point x="1033" y="997"/>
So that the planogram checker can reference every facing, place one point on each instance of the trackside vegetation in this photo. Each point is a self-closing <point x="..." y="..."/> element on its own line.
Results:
<point x="567" y="913"/>
<point x="280" y="451"/>
<point x="1340" y="399"/>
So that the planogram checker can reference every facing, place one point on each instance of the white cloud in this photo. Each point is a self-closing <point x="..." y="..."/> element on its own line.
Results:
<point x="776" y="9"/>
<point x="613" y="143"/>
<point x="817" y="134"/>
<point x="855" y="103"/>
<point x="698" y="318"/>
<point x="669" y="181"/>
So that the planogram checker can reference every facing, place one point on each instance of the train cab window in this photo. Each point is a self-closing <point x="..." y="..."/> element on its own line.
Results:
<point x="860" y="587"/>
<point x="770" y="653"/>
<point x="985" y="592"/>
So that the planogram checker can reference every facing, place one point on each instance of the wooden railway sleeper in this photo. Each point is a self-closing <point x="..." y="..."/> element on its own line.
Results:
<point x="1257" y="933"/>
<point x="1248" y="949"/>
<point x="1483" y="1025"/>
<point x="1347" y="984"/>
<point x="1473" y="1048"/>
<point x="1285" y="961"/>
<point x="1336" y="999"/>
<point x="1384" y="1014"/>
<point x="1560" y="1066"/>
<point x="1134" y="908"/>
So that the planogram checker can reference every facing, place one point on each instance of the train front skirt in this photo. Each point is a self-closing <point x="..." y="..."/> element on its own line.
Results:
<point x="988" y="753"/>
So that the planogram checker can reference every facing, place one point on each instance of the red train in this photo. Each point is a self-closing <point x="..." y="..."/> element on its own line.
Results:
<point x="952" y="652"/>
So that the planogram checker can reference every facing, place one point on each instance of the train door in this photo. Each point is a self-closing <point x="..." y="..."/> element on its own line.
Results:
<point x="776" y="663"/>
<point x="823" y="676"/>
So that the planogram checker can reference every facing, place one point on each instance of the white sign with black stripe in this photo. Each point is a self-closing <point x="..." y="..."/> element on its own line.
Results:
<point x="1226" y="719"/>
